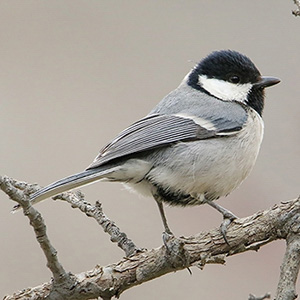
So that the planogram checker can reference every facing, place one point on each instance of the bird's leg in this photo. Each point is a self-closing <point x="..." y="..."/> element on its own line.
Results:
<point x="228" y="217"/>
<point x="162" y="214"/>
<point x="172" y="244"/>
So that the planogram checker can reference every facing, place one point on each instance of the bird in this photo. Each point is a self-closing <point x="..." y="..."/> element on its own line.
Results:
<point x="196" y="145"/>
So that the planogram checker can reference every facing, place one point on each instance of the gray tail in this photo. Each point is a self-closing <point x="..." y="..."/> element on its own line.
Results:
<point x="65" y="184"/>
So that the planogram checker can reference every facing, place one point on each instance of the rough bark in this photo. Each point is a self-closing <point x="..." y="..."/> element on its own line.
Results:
<point x="282" y="221"/>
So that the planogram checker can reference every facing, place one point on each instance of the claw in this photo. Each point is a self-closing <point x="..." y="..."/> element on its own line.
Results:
<point x="166" y="237"/>
<point x="223" y="228"/>
<point x="228" y="217"/>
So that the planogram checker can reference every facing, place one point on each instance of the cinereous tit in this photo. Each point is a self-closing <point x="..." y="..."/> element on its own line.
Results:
<point x="198" y="144"/>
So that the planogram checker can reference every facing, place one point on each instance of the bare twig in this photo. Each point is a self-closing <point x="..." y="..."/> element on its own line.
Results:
<point x="253" y="297"/>
<point x="19" y="192"/>
<point x="279" y="222"/>
<point x="289" y="270"/>
<point x="296" y="12"/>
<point x="95" y="211"/>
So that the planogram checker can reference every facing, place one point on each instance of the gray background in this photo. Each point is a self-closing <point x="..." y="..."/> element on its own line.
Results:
<point x="74" y="73"/>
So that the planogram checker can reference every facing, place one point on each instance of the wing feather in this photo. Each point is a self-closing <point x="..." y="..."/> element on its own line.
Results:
<point x="156" y="131"/>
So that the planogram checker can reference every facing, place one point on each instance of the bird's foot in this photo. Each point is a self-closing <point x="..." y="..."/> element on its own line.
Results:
<point x="167" y="237"/>
<point x="175" y="252"/>
<point x="228" y="217"/>
<point x="224" y="225"/>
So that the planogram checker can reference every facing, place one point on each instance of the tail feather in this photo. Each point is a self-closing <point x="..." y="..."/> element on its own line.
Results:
<point x="66" y="184"/>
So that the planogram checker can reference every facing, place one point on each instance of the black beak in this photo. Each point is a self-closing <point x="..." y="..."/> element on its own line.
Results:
<point x="266" y="81"/>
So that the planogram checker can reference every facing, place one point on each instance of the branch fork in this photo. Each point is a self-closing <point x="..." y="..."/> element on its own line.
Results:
<point x="282" y="221"/>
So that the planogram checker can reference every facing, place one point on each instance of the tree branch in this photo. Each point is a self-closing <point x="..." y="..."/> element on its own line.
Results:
<point x="289" y="270"/>
<point x="296" y="12"/>
<point x="19" y="192"/>
<point x="279" y="222"/>
<point x="266" y="296"/>
<point x="95" y="211"/>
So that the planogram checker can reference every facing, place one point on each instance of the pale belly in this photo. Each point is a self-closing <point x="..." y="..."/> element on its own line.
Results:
<point x="210" y="168"/>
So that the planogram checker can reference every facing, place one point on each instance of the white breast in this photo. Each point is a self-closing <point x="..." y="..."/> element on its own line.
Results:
<point x="213" y="167"/>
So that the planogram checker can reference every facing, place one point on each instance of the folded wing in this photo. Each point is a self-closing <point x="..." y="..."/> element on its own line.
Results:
<point x="157" y="130"/>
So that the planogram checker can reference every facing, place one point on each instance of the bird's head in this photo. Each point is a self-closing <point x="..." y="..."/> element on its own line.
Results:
<point x="231" y="76"/>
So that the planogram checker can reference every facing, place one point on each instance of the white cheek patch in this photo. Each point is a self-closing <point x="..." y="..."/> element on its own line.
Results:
<point x="225" y="90"/>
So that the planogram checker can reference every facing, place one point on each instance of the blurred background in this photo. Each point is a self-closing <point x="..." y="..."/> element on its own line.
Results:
<point x="74" y="73"/>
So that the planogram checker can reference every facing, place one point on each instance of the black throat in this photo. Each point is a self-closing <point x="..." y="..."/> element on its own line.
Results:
<point x="255" y="100"/>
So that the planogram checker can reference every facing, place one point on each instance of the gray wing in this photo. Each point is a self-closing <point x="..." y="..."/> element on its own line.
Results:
<point x="157" y="130"/>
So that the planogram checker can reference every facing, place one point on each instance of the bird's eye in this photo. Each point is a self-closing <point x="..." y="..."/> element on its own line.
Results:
<point x="234" y="79"/>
